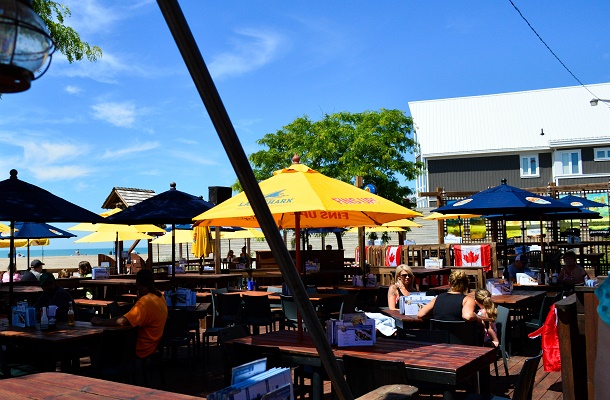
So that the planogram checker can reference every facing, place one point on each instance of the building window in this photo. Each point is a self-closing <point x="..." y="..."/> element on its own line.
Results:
<point x="529" y="166"/>
<point x="568" y="162"/>
<point x="602" y="154"/>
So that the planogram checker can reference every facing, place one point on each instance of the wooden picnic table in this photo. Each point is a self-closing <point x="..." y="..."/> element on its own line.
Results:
<point x="53" y="344"/>
<point x="448" y="364"/>
<point x="55" y="385"/>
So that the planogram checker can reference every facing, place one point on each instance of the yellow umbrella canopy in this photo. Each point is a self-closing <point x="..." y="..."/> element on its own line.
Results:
<point x="248" y="233"/>
<point x="182" y="236"/>
<point x="202" y="241"/>
<point x="435" y="216"/>
<point x="24" y="242"/>
<point x="4" y="228"/>
<point x="322" y="202"/>
<point x="116" y="228"/>
<point x="403" y="223"/>
<point x="112" y="236"/>
<point x="378" y="229"/>
<point x="111" y="212"/>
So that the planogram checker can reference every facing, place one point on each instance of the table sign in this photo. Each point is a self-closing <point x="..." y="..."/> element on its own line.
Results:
<point x="525" y="279"/>
<point x="433" y="263"/>
<point x="100" y="273"/>
<point x="182" y="297"/>
<point x="23" y="315"/>
<point x="410" y="305"/>
<point x="353" y="330"/>
<point x="498" y="286"/>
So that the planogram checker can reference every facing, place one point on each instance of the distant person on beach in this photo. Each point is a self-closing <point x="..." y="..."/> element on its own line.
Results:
<point x="54" y="294"/>
<point x="84" y="269"/>
<point x="33" y="273"/>
<point x="7" y="275"/>
<point x="148" y="314"/>
<point x="77" y="253"/>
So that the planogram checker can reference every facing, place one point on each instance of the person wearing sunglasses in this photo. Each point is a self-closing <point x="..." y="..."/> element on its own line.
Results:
<point x="404" y="284"/>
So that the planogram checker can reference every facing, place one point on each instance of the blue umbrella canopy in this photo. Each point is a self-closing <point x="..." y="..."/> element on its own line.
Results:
<point x="553" y="216"/>
<point x="506" y="200"/>
<point x="22" y="201"/>
<point x="581" y="202"/>
<point x="39" y="230"/>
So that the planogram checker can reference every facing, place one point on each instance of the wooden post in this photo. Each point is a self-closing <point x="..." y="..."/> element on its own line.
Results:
<point x="361" y="234"/>
<point x="440" y="201"/>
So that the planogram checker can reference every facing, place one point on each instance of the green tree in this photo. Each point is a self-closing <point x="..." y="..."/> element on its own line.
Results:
<point x="371" y="144"/>
<point x="67" y="40"/>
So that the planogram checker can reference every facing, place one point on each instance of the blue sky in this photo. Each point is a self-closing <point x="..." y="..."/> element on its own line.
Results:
<point x="134" y="118"/>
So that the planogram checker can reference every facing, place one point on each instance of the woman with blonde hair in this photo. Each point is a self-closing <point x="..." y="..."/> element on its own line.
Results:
<point x="487" y="310"/>
<point x="404" y="284"/>
<point x="454" y="305"/>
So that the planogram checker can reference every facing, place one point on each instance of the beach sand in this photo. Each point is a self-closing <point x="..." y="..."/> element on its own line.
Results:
<point x="57" y="262"/>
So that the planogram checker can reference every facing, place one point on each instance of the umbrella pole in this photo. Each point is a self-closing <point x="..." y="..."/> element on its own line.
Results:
<point x="28" y="251"/>
<point x="174" y="257"/>
<point x="185" y="41"/>
<point x="297" y="250"/>
<point x="11" y="266"/>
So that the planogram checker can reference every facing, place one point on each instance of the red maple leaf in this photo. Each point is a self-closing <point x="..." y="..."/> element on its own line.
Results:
<point x="391" y="258"/>
<point x="471" y="257"/>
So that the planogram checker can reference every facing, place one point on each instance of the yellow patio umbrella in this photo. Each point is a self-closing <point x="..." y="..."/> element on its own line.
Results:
<point x="111" y="212"/>
<point x="403" y="223"/>
<point x="24" y="242"/>
<point x="435" y="216"/>
<point x="316" y="200"/>
<point x="182" y="236"/>
<point x="378" y="229"/>
<point x="4" y="228"/>
<point x="202" y="241"/>
<point x="112" y="236"/>
<point x="248" y="233"/>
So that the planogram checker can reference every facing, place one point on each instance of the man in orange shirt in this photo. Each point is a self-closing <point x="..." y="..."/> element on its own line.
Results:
<point x="148" y="314"/>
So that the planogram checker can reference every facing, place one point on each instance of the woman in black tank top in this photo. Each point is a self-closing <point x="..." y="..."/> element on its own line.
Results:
<point x="454" y="305"/>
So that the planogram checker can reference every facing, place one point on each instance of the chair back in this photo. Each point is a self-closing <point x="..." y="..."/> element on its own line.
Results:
<point x="365" y="375"/>
<point x="275" y="289"/>
<point x="545" y="307"/>
<point x="460" y="332"/>
<point x="349" y="305"/>
<point x="257" y="310"/>
<point x="527" y="377"/>
<point x="215" y="292"/>
<point x="382" y="296"/>
<point x="424" y="335"/>
<point x="176" y="327"/>
<point x="229" y="307"/>
<point x="117" y="352"/>
<point x="311" y="289"/>
<point x="289" y="308"/>
<point x="501" y="325"/>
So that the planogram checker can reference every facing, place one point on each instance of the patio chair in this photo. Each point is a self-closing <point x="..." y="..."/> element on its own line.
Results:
<point x="364" y="375"/>
<point x="177" y="334"/>
<point x="524" y="386"/>
<point x="212" y="331"/>
<point x="501" y="325"/>
<point x="545" y="306"/>
<point x="289" y="307"/>
<point x="257" y="313"/>
<point x="229" y="308"/>
<point x="460" y="332"/>
<point x="116" y="355"/>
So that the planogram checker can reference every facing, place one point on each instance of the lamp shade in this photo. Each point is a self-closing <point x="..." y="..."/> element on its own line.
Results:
<point x="25" y="46"/>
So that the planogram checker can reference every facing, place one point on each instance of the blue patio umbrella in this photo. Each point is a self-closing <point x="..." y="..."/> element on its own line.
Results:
<point x="38" y="230"/>
<point x="506" y="200"/>
<point x="581" y="202"/>
<point x="170" y="207"/>
<point x="22" y="201"/>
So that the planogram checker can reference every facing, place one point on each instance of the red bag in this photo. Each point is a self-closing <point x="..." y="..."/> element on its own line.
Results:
<point x="551" y="356"/>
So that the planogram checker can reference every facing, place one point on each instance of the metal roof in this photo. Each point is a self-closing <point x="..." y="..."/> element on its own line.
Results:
<point x="126" y="197"/>
<point x="512" y="122"/>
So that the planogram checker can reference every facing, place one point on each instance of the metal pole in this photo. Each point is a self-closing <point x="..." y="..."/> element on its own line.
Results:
<point x="207" y="90"/>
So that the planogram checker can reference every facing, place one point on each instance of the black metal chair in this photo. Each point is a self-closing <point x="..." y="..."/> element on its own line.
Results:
<point x="116" y="355"/>
<point x="212" y="331"/>
<point x="289" y="307"/>
<point x="545" y="306"/>
<point x="257" y="313"/>
<point x="501" y="325"/>
<point x="229" y="307"/>
<point x="460" y="332"/>
<point x="364" y="375"/>
<point x="227" y="351"/>
<point x="524" y="386"/>
<point x="177" y="334"/>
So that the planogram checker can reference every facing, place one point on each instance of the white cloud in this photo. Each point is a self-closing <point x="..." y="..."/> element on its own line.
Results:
<point x="189" y="157"/>
<point x="255" y="49"/>
<point x="45" y="153"/>
<point x="73" y="89"/>
<point x="118" y="114"/>
<point x="124" y="151"/>
<point x="60" y="172"/>
<point x="106" y="69"/>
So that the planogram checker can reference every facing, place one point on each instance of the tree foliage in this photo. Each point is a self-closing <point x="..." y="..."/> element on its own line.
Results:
<point x="371" y="144"/>
<point x="67" y="40"/>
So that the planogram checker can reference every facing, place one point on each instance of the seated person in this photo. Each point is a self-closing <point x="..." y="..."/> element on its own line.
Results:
<point x="53" y="294"/>
<point x="520" y="265"/>
<point x="64" y="273"/>
<point x="230" y="257"/>
<point x="571" y="273"/>
<point x="148" y="314"/>
<point x="6" y="276"/>
<point x="487" y="309"/>
<point x="454" y="305"/>
<point x="84" y="269"/>
<point x="244" y="257"/>
<point x="404" y="284"/>
<point x="33" y="272"/>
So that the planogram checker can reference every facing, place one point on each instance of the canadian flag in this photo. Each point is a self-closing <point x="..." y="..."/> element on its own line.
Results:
<point x="475" y="256"/>
<point x="357" y="257"/>
<point x="392" y="256"/>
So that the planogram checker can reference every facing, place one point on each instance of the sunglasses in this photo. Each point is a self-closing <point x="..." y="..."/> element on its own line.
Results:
<point x="404" y="276"/>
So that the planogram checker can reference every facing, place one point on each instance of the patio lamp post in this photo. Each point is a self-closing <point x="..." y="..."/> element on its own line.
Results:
<point x="25" y="46"/>
<point x="594" y="102"/>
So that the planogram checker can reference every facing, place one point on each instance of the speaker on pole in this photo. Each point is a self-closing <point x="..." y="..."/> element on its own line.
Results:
<point x="218" y="194"/>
